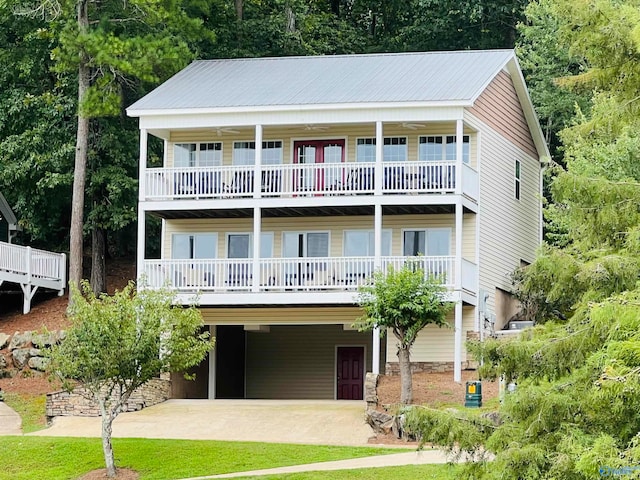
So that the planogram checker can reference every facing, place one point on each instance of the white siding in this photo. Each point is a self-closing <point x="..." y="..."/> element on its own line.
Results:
<point x="435" y="344"/>
<point x="509" y="228"/>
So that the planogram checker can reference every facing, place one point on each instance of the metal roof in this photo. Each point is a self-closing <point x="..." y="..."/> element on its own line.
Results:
<point x="445" y="77"/>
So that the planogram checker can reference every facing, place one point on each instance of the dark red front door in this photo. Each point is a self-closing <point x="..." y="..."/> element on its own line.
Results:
<point x="350" y="373"/>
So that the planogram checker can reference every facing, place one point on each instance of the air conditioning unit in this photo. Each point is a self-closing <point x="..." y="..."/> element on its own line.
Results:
<point x="520" y="324"/>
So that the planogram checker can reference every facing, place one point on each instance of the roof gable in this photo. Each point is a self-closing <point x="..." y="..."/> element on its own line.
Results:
<point x="6" y="212"/>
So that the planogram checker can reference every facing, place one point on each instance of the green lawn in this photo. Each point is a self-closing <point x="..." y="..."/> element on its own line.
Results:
<point x="409" y="472"/>
<point x="56" y="458"/>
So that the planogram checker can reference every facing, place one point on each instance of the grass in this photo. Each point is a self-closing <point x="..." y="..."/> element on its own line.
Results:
<point x="408" y="472"/>
<point x="30" y="407"/>
<point x="26" y="458"/>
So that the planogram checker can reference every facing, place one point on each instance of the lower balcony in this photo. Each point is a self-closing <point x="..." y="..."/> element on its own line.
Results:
<point x="288" y="280"/>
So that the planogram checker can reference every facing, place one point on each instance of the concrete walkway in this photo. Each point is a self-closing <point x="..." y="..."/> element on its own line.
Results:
<point x="277" y="421"/>
<point x="10" y="421"/>
<point x="393" y="460"/>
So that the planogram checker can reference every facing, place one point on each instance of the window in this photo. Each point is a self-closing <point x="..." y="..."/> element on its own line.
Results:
<point x="361" y="243"/>
<point x="429" y="242"/>
<point x="197" y="154"/>
<point x="517" y="180"/>
<point x="442" y="147"/>
<point x="240" y="245"/>
<point x="305" y="245"/>
<point x="394" y="149"/>
<point x="194" y="245"/>
<point x="244" y="153"/>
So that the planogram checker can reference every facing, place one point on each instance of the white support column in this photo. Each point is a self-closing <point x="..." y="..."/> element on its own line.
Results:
<point x="379" y="171"/>
<point x="257" y="225"/>
<point x="142" y="167"/>
<point x="457" y="348"/>
<point x="257" y="173"/>
<point x="142" y="164"/>
<point x="459" y="141"/>
<point x="211" y="394"/>
<point x="377" y="263"/>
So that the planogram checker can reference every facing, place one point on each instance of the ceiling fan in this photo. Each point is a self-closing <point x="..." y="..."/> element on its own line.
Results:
<point x="222" y="130"/>
<point x="310" y="127"/>
<point x="411" y="126"/>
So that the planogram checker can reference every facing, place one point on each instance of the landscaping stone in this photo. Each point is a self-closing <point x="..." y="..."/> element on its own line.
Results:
<point x="39" y="363"/>
<point x="4" y="340"/>
<point x="45" y="340"/>
<point x="20" y="340"/>
<point x="3" y="362"/>
<point x="20" y="357"/>
<point x="380" y="421"/>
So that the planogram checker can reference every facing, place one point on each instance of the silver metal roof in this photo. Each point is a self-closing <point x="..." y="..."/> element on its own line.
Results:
<point x="288" y="81"/>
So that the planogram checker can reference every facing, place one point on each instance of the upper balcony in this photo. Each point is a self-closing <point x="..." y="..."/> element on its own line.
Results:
<point x="303" y="180"/>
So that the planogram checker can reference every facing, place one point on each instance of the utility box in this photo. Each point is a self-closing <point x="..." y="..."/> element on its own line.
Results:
<point x="473" y="396"/>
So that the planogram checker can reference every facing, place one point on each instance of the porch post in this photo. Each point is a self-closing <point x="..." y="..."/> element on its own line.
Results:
<point x="378" y="166"/>
<point x="459" y="141"/>
<point x="457" y="362"/>
<point x="141" y="197"/>
<point x="257" y="173"/>
<point x="457" y="348"/>
<point x="211" y="394"/>
<point x="377" y="263"/>
<point x="257" y="220"/>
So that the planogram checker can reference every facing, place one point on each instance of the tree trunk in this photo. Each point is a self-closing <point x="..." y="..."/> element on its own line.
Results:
<point x="98" y="267"/>
<point x="80" y="167"/>
<point x="406" y="393"/>
<point x="107" y="448"/>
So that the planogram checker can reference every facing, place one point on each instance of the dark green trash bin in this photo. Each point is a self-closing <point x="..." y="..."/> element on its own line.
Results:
<point x="473" y="396"/>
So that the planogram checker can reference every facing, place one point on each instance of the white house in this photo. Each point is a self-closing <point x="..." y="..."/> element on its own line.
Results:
<point x="285" y="182"/>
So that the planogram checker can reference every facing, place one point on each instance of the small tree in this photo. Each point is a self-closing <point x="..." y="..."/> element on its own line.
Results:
<point x="403" y="301"/>
<point x="118" y="343"/>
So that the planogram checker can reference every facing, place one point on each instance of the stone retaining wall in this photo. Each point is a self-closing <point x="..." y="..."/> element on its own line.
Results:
<point x="63" y="403"/>
<point x="22" y="352"/>
<point x="393" y="368"/>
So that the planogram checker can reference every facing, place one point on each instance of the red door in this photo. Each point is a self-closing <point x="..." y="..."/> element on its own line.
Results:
<point x="318" y="152"/>
<point x="350" y="371"/>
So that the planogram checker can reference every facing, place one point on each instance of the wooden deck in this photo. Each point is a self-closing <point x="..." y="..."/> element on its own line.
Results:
<point x="32" y="269"/>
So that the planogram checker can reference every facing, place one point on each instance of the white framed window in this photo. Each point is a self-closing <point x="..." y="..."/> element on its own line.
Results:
<point x="197" y="154"/>
<point x="394" y="149"/>
<point x="361" y="243"/>
<point x="429" y="242"/>
<point x="305" y="244"/>
<point x="518" y="173"/>
<point x="244" y="153"/>
<point x="194" y="245"/>
<point x="240" y="245"/>
<point x="436" y="148"/>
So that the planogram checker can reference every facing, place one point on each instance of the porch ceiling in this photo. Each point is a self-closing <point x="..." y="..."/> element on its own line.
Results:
<point x="324" y="211"/>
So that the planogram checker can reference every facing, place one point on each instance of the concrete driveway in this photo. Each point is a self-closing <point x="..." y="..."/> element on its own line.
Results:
<point x="287" y="421"/>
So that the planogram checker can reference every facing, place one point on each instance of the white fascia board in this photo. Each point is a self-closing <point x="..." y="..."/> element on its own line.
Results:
<point x="398" y="113"/>
<point x="188" y="205"/>
<point x="250" y="109"/>
<point x="530" y="114"/>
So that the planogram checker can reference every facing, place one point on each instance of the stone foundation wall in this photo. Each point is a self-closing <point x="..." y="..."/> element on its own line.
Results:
<point x="393" y="368"/>
<point x="63" y="403"/>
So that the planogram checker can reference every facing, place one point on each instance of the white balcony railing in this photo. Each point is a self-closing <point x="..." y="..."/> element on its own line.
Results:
<point x="283" y="274"/>
<point x="32" y="263"/>
<point x="291" y="180"/>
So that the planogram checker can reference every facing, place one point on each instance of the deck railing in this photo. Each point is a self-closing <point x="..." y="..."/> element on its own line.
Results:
<point x="16" y="259"/>
<point x="283" y="274"/>
<point x="291" y="180"/>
